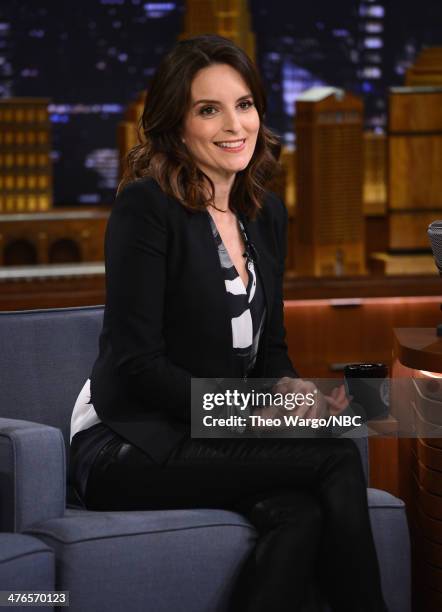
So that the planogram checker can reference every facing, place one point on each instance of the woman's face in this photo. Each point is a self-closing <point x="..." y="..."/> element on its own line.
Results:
<point x="221" y="111"/>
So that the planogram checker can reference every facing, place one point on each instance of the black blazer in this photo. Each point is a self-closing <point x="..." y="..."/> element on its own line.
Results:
<point x="166" y="317"/>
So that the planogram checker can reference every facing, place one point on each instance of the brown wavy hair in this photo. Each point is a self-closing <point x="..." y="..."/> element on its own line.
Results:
<point x="161" y="153"/>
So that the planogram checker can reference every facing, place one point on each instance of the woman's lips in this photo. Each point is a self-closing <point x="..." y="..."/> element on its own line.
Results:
<point x="232" y="149"/>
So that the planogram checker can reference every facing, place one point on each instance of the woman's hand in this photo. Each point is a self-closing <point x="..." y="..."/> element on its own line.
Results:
<point x="297" y="386"/>
<point x="338" y="400"/>
<point x="324" y="405"/>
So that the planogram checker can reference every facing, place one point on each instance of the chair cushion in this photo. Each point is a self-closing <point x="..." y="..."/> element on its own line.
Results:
<point x="26" y="563"/>
<point x="148" y="560"/>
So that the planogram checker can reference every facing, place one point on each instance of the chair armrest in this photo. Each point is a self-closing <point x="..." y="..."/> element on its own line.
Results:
<point x="26" y="564"/>
<point x="32" y="474"/>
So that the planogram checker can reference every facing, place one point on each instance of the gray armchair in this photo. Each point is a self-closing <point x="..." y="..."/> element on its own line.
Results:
<point x="172" y="560"/>
<point x="26" y="564"/>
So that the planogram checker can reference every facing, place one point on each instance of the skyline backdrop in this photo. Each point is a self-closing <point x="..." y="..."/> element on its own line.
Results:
<point x="91" y="59"/>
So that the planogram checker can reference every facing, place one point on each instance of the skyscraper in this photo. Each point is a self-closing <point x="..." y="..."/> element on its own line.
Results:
<point x="228" y="18"/>
<point x="370" y="50"/>
<point x="25" y="167"/>
<point x="6" y="77"/>
<point x="329" y="158"/>
<point x="91" y="59"/>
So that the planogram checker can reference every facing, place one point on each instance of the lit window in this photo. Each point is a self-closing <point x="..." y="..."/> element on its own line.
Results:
<point x="373" y="58"/>
<point x="340" y="33"/>
<point x="375" y="10"/>
<point x="43" y="202"/>
<point x="373" y="42"/>
<point x="372" y="72"/>
<point x="374" y="27"/>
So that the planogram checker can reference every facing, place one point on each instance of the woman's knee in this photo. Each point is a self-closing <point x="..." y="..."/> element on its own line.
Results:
<point x="299" y="507"/>
<point x="345" y="452"/>
<point x="341" y="474"/>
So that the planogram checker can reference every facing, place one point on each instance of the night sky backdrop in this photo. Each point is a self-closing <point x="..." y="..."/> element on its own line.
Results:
<point x="92" y="57"/>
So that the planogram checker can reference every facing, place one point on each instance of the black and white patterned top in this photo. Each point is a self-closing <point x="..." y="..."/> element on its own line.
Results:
<point x="246" y="304"/>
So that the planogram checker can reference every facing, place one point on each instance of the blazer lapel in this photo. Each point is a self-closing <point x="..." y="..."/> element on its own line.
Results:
<point x="215" y="283"/>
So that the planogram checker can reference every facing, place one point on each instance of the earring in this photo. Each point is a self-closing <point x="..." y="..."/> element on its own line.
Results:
<point x="183" y="139"/>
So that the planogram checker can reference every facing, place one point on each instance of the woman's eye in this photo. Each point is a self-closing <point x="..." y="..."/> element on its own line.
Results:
<point x="245" y="105"/>
<point x="207" y="108"/>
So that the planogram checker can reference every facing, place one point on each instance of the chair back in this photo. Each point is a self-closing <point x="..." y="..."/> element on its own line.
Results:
<point x="45" y="358"/>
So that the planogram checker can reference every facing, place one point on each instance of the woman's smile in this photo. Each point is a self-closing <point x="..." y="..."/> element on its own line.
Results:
<point x="232" y="146"/>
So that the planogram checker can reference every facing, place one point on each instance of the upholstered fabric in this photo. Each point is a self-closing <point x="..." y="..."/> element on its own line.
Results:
<point x="26" y="564"/>
<point x="46" y="356"/>
<point x="32" y="473"/>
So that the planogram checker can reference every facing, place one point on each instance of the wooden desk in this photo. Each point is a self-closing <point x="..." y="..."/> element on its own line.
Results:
<point x="417" y="355"/>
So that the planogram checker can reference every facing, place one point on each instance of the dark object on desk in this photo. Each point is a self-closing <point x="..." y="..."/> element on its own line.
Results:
<point x="368" y="384"/>
<point x="435" y="235"/>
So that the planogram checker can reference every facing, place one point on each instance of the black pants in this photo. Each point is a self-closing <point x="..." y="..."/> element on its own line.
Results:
<point x="306" y="497"/>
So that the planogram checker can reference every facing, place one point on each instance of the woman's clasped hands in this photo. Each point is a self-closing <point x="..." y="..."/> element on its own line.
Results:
<point x="316" y="405"/>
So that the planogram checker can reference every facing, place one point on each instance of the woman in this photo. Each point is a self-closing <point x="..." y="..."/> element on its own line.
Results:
<point x="195" y="250"/>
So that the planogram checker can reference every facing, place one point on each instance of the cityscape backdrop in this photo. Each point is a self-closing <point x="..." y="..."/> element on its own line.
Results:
<point x="92" y="58"/>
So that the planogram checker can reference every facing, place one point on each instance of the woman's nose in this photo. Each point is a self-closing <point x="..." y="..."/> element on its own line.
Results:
<point x="231" y="122"/>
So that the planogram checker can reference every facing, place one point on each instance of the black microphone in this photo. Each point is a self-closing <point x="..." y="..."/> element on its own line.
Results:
<point x="250" y="253"/>
<point x="435" y="235"/>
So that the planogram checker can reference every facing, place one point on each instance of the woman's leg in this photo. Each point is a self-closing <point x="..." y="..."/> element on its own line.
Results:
<point x="239" y="474"/>
<point x="349" y="570"/>
<point x="278" y="575"/>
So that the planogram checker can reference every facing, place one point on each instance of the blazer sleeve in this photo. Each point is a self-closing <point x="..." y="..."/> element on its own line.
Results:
<point x="278" y="362"/>
<point x="135" y="260"/>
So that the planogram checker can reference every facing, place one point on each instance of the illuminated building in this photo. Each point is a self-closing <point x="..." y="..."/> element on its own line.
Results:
<point x="32" y="233"/>
<point x="375" y="173"/>
<point x="5" y="52"/>
<point x="128" y="132"/>
<point x="25" y="164"/>
<point x="370" y="60"/>
<point x="330" y="222"/>
<point x="414" y="165"/>
<point x="427" y="69"/>
<point x="228" y="18"/>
